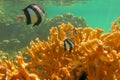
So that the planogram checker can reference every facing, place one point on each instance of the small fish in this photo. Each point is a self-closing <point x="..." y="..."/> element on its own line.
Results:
<point x="20" y="17"/>
<point x="33" y="14"/>
<point x="68" y="45"/>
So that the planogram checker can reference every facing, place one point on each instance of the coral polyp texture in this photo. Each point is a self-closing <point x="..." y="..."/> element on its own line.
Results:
<point x="95" y="56"/>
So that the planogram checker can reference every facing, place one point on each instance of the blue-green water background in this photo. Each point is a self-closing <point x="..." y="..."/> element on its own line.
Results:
<point x="98" y="13"/>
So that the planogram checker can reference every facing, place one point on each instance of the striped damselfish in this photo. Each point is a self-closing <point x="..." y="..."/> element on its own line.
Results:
<point x="68" y="45"/>
<point x="33" y="14"/>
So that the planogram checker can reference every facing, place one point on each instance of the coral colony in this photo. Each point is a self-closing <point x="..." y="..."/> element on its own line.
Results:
<point x="95" y="56"/>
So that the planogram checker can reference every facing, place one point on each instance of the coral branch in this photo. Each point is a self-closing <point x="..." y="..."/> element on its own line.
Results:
<point x="95" y="56"/>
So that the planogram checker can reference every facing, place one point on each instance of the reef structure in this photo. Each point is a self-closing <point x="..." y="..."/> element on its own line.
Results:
<point x="16" y="41"/>
<point x="95" y="56"/>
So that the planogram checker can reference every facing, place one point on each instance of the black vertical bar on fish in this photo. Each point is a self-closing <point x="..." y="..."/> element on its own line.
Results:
<point x="70" y="45"/>
<point x="64" y="45"/>
<point x="39" y="17"/>
<point x="68" y="41"/>
<point x="42" y="10"/>
<point x="28" y="20"/>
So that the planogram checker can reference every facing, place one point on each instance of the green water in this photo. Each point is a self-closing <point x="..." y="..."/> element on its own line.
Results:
<point x="98" y="13"/>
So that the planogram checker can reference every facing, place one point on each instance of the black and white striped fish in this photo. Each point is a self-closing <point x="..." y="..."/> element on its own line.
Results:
<point x="33" y="14"/>
<point x="68" y="45"/>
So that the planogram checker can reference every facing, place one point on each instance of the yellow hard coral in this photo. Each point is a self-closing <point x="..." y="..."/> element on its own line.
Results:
<point x="95" y="56"/>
